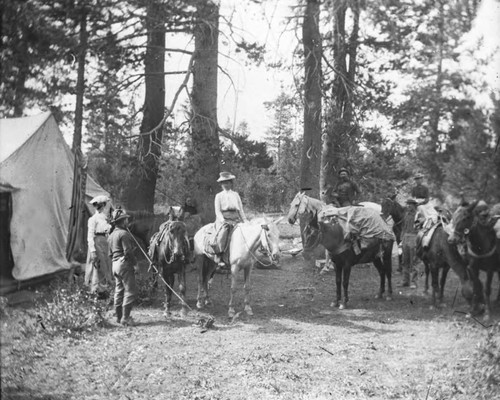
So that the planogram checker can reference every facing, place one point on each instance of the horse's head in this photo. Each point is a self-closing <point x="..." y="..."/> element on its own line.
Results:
<point x="461" y="222"/>
<point x="387" y="207"/>
<point x="269" y="240"/>
<point x="176" y="242"/>
<point x="298" y="207"/>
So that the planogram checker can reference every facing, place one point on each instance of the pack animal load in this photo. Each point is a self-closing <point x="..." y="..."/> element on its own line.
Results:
<point x="358" y="223"/>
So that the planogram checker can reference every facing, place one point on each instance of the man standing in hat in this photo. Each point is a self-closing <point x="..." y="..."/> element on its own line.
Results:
<point x="121" y="252"/>
<point x="98" y="272"/>
<point x="346" y="191"/>
<point x="409" y="245"/>
<point x="420" y="192"/>
<point x="228" y="212"/>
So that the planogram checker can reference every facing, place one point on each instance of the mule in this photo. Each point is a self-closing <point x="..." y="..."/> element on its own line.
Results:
<point x="170" y="250"/>
<point x="341" y="251"/>
<point x="438" y="256"/>
<point x="246" y="240"/>
<point x="483" y="250"/>
<point x="144" y="224"/>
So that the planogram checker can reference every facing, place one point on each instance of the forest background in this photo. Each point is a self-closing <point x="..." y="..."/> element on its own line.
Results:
<point x="386" y="89"/>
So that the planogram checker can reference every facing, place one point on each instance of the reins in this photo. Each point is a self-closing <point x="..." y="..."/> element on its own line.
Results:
<point x="250" y="250"/>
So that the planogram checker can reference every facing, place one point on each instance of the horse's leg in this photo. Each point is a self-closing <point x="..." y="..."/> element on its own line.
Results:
<point x="234" y="272"/>
<point x="478" y="294"/>
<point x="182" y="288"/>
<point x="380" y="269"/>
<point x="248" y="290"/>
<point x="200" y="298"/>
<point x="498" y="294"/>
<point x="435" y="283"/>
<point x="169" y="278"/>
<point x="347" y="273"/>
<point x="444" y="274"/>
<point x="338" y="281"/>
<point x="426" y="269"/>
<point x="487" y="293"/>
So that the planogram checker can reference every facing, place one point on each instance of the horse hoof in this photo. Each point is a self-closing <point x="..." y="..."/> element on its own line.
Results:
<point x="208" y="303"/>
<point x="334" y="304"/>
<point x="184" y="313"/>
<point x="199" y="305"/>
<point x="231" y="313"/>
<point x="388" y="298"/>
<point x="341" y="307"/>
<point x="378" y="296"/>
<point x="167" y="314"/>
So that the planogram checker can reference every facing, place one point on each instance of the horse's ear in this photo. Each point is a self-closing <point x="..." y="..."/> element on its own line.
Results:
<point x="472" y="205"/>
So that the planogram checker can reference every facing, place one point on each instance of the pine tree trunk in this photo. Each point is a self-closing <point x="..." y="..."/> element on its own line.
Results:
<point x="141" y="188"/>
<point x="311" y="151"/>
<point x="340" y="126"/>
<point x="80" y="83"/>
<point x="205" y="138"/>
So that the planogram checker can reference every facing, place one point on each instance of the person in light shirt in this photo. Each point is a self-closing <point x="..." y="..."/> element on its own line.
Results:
<point x="228" y="212"/>
<point x="98" y="273"/>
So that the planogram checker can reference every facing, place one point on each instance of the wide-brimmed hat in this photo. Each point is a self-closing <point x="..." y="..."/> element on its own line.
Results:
<point x="344" y="170"/>
<point x="419" y="176"/>
<point x="225" y="176"/>
<point x="118" y="215"/>
<point x="99" y="199"/>
<point x="411" y="201"/>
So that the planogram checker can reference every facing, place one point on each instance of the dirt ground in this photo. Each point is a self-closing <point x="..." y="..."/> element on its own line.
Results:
<point x="295" y="346"/>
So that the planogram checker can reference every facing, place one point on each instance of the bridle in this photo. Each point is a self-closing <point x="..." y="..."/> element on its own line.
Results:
<point x="266" y="250"/>
<point x="170" y="247"/>
<point x="302" y="197"/>
<point x="464" y="239"/>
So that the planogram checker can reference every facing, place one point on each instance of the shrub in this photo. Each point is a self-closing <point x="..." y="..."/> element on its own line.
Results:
<point x="72" y="310"/>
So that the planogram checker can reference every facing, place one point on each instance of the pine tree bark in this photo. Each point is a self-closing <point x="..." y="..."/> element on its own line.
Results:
<point x="140" y="193"/>
<point x="340" y="127"/>
<point x="311" y="151"/>
<point x="204" y="134"/>
<point x="80" y="83"/>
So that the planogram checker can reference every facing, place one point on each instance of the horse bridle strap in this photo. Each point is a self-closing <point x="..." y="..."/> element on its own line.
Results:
<point x="263" y="227"/>
<point x="475" y="255"/>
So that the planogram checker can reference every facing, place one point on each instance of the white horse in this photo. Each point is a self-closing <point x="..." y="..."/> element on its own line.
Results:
<point x="246" y="239"/>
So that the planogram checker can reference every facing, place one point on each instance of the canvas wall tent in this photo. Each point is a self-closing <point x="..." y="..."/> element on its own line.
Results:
<point x="37" y="163"/>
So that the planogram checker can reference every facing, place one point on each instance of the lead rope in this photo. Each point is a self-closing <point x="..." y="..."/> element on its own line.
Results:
<point x="151" y="264"/>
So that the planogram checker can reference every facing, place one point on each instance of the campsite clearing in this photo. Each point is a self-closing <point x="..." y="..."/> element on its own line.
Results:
<point x="295" y="347"/>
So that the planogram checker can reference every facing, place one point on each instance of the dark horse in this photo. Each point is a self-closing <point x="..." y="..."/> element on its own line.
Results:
<point x="390" y="207"/>
<point x="483" y="249"/>
<point x="331" y="236"/>
<point x="441" y="255"/>
<point x="170" y="250"/>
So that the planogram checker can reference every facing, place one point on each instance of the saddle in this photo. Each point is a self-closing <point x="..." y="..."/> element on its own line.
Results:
<point x="156" y="239"/>
<point x="424" y="236"/>
<point x="217" y="240"/>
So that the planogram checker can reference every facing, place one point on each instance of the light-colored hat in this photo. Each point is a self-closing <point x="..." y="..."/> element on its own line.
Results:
<point x="225" y="176"/>
<point x="118" y="215"/>
<point x="99" y="199"/>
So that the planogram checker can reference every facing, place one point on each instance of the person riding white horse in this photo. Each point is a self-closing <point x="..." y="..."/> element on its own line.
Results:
<point x="228" y="212"/>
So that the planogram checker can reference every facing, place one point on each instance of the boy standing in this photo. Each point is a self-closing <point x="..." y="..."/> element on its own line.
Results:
<point x="121" y="247"/>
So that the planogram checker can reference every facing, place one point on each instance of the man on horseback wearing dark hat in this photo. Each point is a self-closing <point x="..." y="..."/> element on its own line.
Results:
<point x="346" y="191"/>
<point x="420" y="192"/>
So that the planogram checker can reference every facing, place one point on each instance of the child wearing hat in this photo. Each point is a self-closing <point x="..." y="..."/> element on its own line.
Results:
<point x="121" y="251"/>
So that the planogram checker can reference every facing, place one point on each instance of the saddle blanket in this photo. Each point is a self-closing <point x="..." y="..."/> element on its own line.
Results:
<point x="427" y="235"/>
